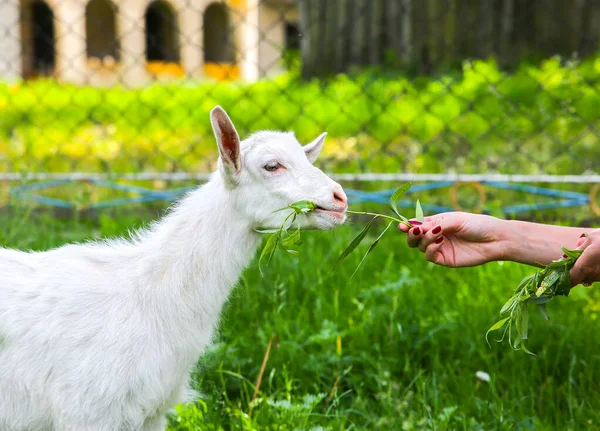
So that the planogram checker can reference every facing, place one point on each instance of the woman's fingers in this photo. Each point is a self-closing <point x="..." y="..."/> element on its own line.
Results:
<point x="581" y="241"/>
<point x="583" y="271"/>
<point x="430" y="237"/>
<point x="418" y="232"/>
<point x="414" y="236"/>
<point x="403" y="227"/>
<point x="587" y="268"/>
<point x="432" y="253"/>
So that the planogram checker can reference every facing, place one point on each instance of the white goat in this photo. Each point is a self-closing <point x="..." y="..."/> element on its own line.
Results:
<point x="102" y="336"/>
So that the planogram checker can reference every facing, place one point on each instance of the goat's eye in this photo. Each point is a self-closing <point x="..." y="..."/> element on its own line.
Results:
<point x="272" y="166"/>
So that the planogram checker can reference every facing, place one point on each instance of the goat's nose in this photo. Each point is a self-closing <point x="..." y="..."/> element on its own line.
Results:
<point x="339" y="197"/>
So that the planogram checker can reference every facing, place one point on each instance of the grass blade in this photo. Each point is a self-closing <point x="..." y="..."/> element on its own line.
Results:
<point x="371" y="247"/>
<point x="355" y="242"/>
<point x="544" y="313"/>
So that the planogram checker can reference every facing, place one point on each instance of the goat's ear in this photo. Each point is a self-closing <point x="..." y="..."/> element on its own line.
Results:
<point x="228" y="140"/>
<point x="313" y="149"/>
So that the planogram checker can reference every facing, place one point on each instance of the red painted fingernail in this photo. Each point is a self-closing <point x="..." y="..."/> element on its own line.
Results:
<point x="582" y="235"/>
<point x="415" y="222"/>
<point x="436" y="230"/>
<point x="439" y="240"/>
<point x="417" y="231"/>
<point x="565" y="256"/>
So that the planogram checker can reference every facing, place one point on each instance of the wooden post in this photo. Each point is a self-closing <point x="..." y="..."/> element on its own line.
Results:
<point x="375" y="47"/>
<point x="393" y="27"/>
<point x="307" y="37"/>
<point x="485" y="32"/>
<point x="506" y="51"/>
<point x="407" y="32"/>
<point x="343" y="30"/>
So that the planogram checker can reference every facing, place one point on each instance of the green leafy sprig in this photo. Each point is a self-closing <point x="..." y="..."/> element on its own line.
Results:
<point x="286" y="238"/>
<point x="283" y="237"/>
<point x="539" y="289"/>
<point x="393" y="204"/>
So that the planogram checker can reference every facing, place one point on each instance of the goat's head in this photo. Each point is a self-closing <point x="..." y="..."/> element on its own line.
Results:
<point x="271" y="170"/>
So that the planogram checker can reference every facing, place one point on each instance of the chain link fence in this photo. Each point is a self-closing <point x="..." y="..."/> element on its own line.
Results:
<point x="427" y="89"/>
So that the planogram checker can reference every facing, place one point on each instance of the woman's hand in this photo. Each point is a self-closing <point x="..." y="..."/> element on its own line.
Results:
<point x="457" y="239"/>
<point x="587" y="268"/>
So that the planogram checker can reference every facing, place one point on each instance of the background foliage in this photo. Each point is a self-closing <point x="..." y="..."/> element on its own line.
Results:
<point x="539" y="119"/>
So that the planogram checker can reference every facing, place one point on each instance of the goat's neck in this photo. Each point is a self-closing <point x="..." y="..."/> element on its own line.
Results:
<point x="196" y="254"/>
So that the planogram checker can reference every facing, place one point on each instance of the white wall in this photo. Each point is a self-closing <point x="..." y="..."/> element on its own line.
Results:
<point x="10" y="41"/>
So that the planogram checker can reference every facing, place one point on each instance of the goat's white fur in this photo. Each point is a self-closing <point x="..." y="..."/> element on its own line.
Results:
<point x="102" y="336"/>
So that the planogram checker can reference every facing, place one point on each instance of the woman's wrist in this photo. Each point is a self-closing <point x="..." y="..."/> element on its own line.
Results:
<point x="503" y="240"/>
<point x="510" y="241"/>
<point x="532" y="243"/>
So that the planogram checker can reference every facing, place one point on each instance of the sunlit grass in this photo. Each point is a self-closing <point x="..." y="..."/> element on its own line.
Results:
<point x="394" y="348"/>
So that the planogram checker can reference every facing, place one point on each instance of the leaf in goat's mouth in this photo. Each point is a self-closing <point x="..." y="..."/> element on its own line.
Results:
<point x="284" y="239"/>
<point x="281" y="237"/>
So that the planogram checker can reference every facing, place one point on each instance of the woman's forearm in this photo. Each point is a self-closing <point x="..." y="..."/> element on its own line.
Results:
<point x="534" y="243"/>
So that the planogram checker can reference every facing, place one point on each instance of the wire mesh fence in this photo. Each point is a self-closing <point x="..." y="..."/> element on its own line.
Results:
<point x="428" y="87"/>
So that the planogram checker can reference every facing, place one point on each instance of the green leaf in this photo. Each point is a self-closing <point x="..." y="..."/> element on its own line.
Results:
<point x="499" y="324"/>
<point x="509" y="303"/>
<point x="524" y="322"/>
<point x="292" y="239"/>
<point x="265" y="231"/>
<point x="371" y="247"/>
<point x="303" y="207"/>
<point x="543" y="311"/>
<point x="269" y="250"/>
<point x="518" y="340"/>
<point x="526" y="350"/>
<point x="396" y="196"/>
<point x="551" y="278"/>
<point x="355" y="242"/>
<point x="540" y="299"/>
<point x="563" y="284"/>
<point x="573" y="254"/>
<point x="419" y="212"/>
<point x="285" y="225"/>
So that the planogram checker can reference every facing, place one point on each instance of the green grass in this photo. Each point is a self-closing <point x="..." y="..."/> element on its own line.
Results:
<point x="411" y="338"/>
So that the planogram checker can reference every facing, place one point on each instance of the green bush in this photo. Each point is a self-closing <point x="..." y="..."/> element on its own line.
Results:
<point x="537" y="119"/>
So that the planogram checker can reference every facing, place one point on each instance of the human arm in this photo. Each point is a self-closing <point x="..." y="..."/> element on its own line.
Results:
<point x="459" y="239"/>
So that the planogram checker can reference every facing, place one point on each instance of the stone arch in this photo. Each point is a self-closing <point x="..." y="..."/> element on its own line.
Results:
<point x="101" y="30"/>
<point x="38" y="39"/>
<point x="218" y="35"/>
<point x="162" y="32"/>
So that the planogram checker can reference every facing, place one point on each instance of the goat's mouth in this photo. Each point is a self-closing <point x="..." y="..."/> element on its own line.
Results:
<point x="335" y="212"/>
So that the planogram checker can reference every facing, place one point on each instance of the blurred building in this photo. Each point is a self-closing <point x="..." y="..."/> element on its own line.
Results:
<point x="105" y="42"/>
